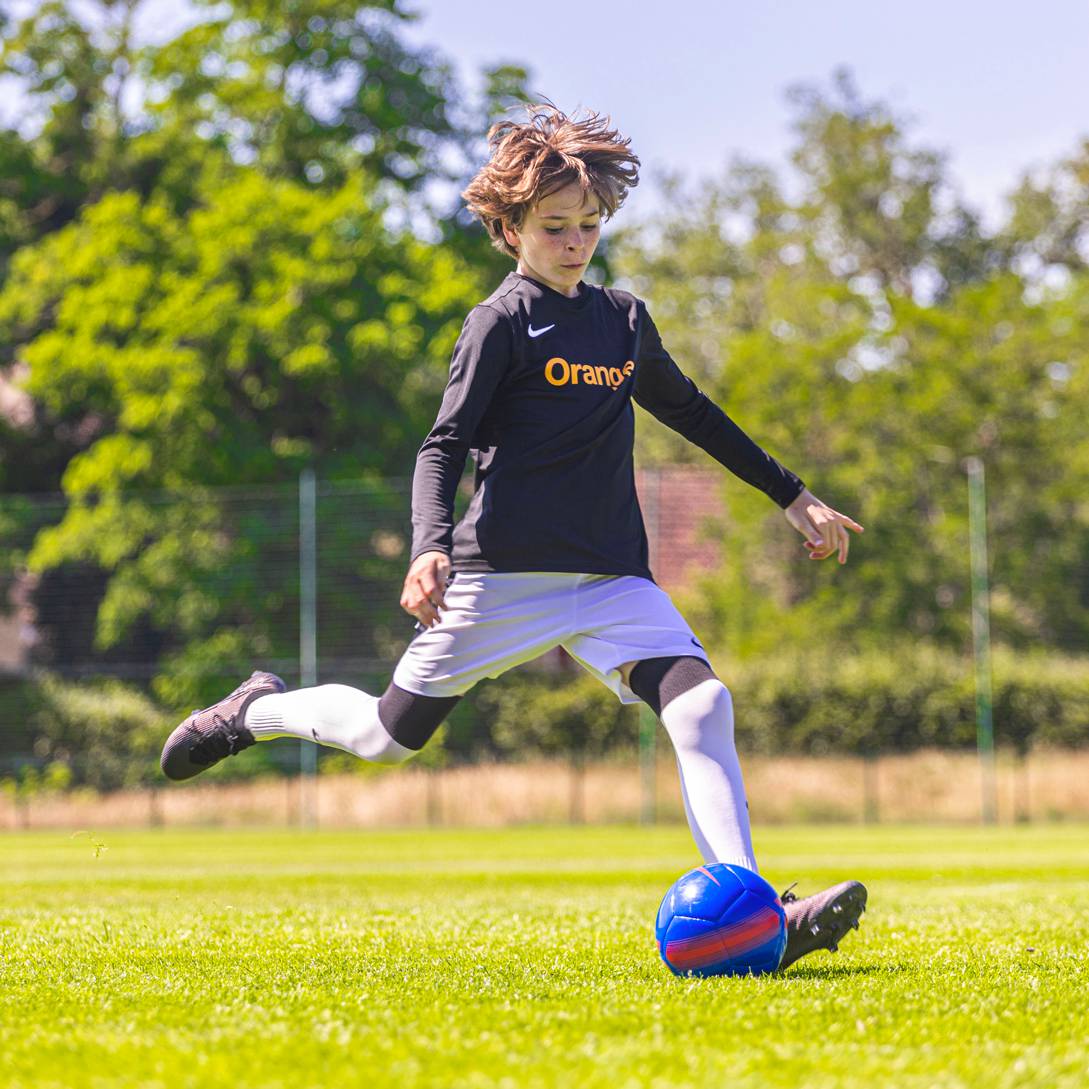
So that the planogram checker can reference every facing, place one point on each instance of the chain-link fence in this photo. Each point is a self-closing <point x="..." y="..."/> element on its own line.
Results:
<point x="302" y="579"/>
<point x="98" y="663"/>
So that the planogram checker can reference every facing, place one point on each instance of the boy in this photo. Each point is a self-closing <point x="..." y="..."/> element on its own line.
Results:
<point x="552" y="550"/>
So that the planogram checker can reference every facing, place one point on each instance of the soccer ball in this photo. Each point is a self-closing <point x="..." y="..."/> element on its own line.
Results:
<point x="721" y="920"/>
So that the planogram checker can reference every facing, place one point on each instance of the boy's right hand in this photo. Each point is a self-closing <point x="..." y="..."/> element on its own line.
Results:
<point x="425" y="587"/>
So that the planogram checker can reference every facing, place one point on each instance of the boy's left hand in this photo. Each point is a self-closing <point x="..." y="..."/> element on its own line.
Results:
<point x="824" y="529"/>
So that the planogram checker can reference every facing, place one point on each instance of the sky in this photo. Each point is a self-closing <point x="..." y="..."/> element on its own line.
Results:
<point x="1000" y="86"/>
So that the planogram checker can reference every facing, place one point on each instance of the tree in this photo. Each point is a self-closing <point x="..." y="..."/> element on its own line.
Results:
<point x="309" y="90"/>
<point x="269" y="329"/>
<point x="872" y="341"/>
<point x="317" y="92"/>
<point x="215" y="271"/>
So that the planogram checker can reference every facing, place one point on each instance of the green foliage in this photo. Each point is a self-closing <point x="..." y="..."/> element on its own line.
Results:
<point x="269" y="329"/>
<point x="871" y="338"/>
<point x="105" y="735"/>
<point x="34" y="781"/>
<point x="320" y="92"/>
<point x="309" y="90"/>
<point x="905" y="698"/>
<point x="897" y="699"/>
<point x="535" y="713"/>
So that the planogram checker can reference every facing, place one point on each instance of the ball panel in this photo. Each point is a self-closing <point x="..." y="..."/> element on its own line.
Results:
<point x="682" y="927"/>
<point x="757" y="886"/>
<point x="721" y="919"/>
<point x="704" y="893"/>
<point x="665" y="913"/>
<point x="728" y="942"/>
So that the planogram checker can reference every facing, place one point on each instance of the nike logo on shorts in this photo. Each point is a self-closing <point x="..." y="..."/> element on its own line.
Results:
<point x="537" y="332"/>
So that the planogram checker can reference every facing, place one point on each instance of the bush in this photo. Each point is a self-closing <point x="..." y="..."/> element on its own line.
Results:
<point x="548" y="714"/>
<point x="108" y="734"/>
<point x="896" y="700"/>
<point x="905" y="698"/>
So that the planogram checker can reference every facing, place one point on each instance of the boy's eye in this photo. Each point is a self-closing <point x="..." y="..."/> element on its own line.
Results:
<point x="585" y="227"/>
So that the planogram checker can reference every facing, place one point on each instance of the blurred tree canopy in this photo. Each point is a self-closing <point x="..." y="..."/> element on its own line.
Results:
<point x="868" y="332"/>
<point x="235" y="253"/>
<point x="269" y="329"/>
<point x="223" y="257"/>
<point x="316" y="92"/>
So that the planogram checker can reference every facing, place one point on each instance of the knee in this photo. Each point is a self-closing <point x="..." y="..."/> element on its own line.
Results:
<point x="659" y="681"/>
<point x="410" y="720"/>
<point x="701" y="716"/>
<point x="710" y="702"/>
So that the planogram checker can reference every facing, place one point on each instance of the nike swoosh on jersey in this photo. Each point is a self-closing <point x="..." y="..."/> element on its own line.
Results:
<point x="537" y="332"/>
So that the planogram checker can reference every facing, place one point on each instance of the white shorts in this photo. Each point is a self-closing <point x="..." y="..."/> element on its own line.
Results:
<point x="493" y="622"/>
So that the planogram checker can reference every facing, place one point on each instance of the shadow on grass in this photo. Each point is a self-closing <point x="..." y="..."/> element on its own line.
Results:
<point x="843" y="971"/>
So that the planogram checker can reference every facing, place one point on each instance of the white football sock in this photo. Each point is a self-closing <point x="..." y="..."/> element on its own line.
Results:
<point x="331" y="714"/>
<point x="700" y="723"/>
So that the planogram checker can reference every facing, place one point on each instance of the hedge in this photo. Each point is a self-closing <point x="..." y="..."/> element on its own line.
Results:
<point x="107" y="735"/>
<point x="898" y="700"/>
<point x="915" y="697"/>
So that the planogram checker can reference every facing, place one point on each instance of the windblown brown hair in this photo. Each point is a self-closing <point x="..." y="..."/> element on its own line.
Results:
<point x="529" y="160"/>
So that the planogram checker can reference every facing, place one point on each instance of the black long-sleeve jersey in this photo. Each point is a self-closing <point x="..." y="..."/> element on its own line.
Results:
<point x="540" y="391"/>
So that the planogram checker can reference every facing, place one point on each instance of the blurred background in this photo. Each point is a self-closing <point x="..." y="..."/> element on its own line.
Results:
<point x="233" y="264"/>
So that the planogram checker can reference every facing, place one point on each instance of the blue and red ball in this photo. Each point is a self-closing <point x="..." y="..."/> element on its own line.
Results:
<point x="721" y="920"/>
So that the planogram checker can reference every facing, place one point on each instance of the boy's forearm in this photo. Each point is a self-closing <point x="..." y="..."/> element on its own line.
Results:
<point x="709" y="428"/>
<point x="434" y="486"/>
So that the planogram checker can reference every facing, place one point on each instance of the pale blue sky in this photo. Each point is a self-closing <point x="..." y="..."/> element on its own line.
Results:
<point x="1001" y="86"/>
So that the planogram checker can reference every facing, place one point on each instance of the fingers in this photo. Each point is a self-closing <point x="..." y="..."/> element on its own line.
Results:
<point x="421" y="605"/>
<point x="424" y="592"/>
<point x="831" y="537"/>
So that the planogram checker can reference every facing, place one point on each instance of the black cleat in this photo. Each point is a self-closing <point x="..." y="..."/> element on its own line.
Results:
<point x="820" y="921"/>
<point x="207" y="736"/>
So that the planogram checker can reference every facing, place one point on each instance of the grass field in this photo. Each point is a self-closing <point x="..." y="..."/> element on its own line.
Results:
<point x="525" y="958"/>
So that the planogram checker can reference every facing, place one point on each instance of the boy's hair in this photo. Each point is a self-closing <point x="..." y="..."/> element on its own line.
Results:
<point x="545" y="153"/>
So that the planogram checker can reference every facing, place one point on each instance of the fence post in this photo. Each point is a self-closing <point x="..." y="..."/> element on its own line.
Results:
<point x="981" y="635"/>
<point x="433" y="796"/>
<point x="871" y="808"/>
<point x="308" y="634"/>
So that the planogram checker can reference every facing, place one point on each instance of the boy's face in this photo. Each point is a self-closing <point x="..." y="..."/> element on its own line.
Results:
<point x="558" y="237"/>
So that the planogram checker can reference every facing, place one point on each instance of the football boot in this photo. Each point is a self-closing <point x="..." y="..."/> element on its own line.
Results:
<point x="820" y="921"/>
<point x="207" y="736"/>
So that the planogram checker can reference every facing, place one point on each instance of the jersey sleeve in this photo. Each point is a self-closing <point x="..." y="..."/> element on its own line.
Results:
<point x="674" y="399"/>
<point x="481" y="358"/>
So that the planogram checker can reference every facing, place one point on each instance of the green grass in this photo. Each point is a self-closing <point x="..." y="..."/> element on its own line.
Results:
<point x="525" y="958"/>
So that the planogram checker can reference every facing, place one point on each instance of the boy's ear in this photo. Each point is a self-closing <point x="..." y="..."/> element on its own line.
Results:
<point x="510" y="237"/>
